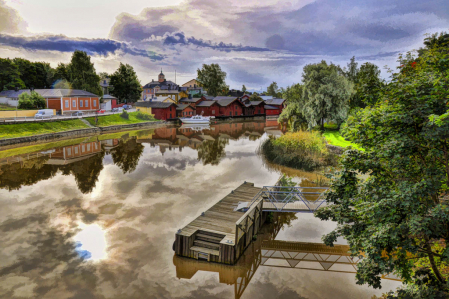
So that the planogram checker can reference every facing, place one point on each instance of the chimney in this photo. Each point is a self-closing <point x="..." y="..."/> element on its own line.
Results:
<point x="190" y="96"/>
<point x="16" y="88"/>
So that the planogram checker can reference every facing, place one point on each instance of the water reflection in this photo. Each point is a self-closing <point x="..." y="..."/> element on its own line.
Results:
<point x="84" y="161"/>
<point x="91" y="242"/>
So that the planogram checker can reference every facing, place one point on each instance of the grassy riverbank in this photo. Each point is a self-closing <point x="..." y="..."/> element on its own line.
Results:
<point x="117" y="119"/>
<point x="37" y="128"/>
<point x="301" y="150"/>
<point x="335" y="138"/>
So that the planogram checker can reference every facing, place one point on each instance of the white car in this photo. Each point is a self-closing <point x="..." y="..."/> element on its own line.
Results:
<point x="44" y="113"/>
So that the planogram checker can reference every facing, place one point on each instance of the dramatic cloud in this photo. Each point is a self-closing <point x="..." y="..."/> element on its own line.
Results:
<point x="10" y="20"/>
<point x="62" y="43"/>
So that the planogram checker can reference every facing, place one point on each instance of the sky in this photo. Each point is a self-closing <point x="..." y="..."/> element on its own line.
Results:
<point x="254" y="41"/>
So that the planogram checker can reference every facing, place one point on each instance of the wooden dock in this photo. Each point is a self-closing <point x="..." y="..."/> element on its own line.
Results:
<point x="221" y="234"/>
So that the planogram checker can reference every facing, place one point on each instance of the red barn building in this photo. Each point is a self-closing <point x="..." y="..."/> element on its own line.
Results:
<point x="278" y="103"/>
<point x="160" y="110"/>
<point x="192" y="102"/>
<point x="208" y="108"/>
<point x="259" y="107"/>
<point x="271" y="110"/>
<point x="230" y="106"/>
<point x="184" y="110"/>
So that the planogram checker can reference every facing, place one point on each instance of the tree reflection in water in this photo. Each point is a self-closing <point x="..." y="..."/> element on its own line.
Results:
<point x="127" y="154"/>
<point x="211" y="152"/>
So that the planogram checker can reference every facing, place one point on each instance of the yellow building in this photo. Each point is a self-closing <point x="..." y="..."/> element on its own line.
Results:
<point x="175" y="95"/>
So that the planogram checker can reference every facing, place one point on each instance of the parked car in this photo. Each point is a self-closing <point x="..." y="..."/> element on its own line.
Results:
<point x="101" y="111"/>
<point x="77" y="113"/>
<point x="117" y="109"/>
<point x="127" y="107"/>
<point x="44" y="113"/>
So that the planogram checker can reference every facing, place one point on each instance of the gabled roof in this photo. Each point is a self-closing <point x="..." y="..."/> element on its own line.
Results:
<point x="183" y="106"/>
<point x="49" y="93"/>
<point x="275" y="102"/>
<point x="153" y="84"/>
<point x="108" y="97"/>
<point x="167" y="91"/>
<point x="209" y="98"/>
<point x="187" y="100"/>
<point x="154" y="104"/>
<point x="206" y="103"/>
<point x="268" y="107"/>
<point x="226" y="101"/>
<point x="255" y="103"/>
<point x="191" y="82"/>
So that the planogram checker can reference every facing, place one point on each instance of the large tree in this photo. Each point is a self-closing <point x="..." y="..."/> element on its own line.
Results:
<point x="126" y="84"/>
<point x="9" y="75"/>
<point x="292" y="113"/>
<point x="326" y="94"/>
<point x="212" y="79"/>
<point x="34" y="74"/>
<point x="80" y="72"/>
<point x="274" y="90"/>
<point x="391" y="201"/>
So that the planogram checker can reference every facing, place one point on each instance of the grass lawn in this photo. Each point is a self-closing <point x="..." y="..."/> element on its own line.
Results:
<point x="335" y="138"/>
<point x="116" y="119"/>
<point x="36" y="128"/>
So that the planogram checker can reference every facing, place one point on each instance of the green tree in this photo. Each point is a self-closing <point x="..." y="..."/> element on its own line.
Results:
<point x="352" y="71"/>
<point x="326" y="94"/>
<point x="126" y="84"/>
<point x="81" y="73"/>
<point x="34" y="74"/>
<point x="255" y="97"/>
<point x="433" y="41"/>
<point x="274" y="90"/>
<point x="292" y="113"/>
<point x="9" y="75"/>
<point x="212" y="79"/>
<point x="244" y="89"/>
<point x="390" y="202"/>
<point x="31" y="101"/>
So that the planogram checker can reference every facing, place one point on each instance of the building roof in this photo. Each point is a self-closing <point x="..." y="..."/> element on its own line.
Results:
<point x="264" y="97"/>
<point x="268" y="107"/>
<point x="209" y="98"/>
<point x="153" y="84"/>
<point x="206" y="103"/>
<point x="49" y="93"/>
<point x="255" y="103"/>
<point x="167" y="91"/>
<point x="275" y="102"/>
<point x="183" y="106"/>
<point x="154" y="104"/>
<point x="226" y="101"/>
<point x="187" y="100"/>
<point x="108" y="97"/>
<point x="188" y="83"/>
<point x="157" y="99"/>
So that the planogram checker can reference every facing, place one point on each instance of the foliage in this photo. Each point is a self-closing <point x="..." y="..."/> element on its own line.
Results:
<point x="274" y="90"/>
<point x="124" y="114"/>
<point x="116" y="119"/>
<point x="197" y="95"/>
<point x="212" y="79"/>
<point x="127" y="86"/>
<point x="144" y="116"/>
<point x="255" y="97"/>
<point x="435" y="41"/>
<point x="80" y="72"/>
<point x="335" y="138"/>
<point x="31" y="101"/>
<point x="293" y="112"/>
<point x="244" y="89"/>
<point x="399" y="214"/>
<point x="302" y="150"/>
<point x="286" y="181"/>
<point x="37" y="75"/>
<point x="326" y="94"/>
<point x="35" y="128"/>
<point x="10" y="75"/>
<point x="211" y="152"/>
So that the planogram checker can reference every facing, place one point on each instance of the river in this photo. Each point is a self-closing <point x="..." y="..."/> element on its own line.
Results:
<point x="96" y="217"/>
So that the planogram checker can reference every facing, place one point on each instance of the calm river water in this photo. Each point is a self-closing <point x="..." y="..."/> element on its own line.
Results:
<point x="96" y="218"/>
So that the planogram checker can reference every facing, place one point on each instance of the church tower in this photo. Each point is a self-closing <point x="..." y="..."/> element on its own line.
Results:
<point x="161" y="77"/>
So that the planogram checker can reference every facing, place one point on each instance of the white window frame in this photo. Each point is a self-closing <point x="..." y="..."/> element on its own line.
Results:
<point x="67" y="103"/>
<point x="86" y="103"/>
<point x="81" y="103"/>
<point x="73" y="103"/>
<point x="95" y="103"/>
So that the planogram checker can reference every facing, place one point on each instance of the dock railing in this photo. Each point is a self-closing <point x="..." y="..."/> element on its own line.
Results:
<point x="278" y="198"/>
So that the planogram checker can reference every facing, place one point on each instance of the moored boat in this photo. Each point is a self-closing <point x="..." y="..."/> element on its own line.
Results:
<point x="197" y="119"/>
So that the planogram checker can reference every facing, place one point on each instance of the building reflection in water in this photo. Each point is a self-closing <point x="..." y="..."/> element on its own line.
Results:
<point x="268" y="252"/>
<point x="84" y="160"/>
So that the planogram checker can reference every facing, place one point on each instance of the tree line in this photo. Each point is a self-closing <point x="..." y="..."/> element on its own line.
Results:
<point x="79" y="73"/>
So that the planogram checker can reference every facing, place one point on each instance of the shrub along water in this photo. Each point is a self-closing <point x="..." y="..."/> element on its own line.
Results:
<point x="303" y="150"/>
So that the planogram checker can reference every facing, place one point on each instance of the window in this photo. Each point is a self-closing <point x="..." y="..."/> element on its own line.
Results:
<point x="74" y="103"/>
<point x="96" y="145"/>
<point x="236" y="113"/>
<point x="83" y="148"/>
<point x="76" y="150"/>
<point x="230" y="113"/>
<point x="104" y="82"/>
<point x="213" y="111"/>
<point x="81" y="103"/>
<point x="69" y="151"/>
<point x="88" y="147"/>
<point x="95" y="103"/>
<point x="67" y="103"/>
<point x="86" y="103"/>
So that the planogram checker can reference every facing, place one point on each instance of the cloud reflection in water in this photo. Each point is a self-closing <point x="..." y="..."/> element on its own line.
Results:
<point x="91" y="242"/>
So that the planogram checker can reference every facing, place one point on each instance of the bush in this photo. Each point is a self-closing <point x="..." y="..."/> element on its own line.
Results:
<point x="124" y="115"/>
<point x="31" y="101"/>
<point x="301" y="150"/>
<point x="144" y="116"/>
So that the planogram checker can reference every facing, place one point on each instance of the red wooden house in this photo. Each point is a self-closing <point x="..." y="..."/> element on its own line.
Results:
<point x="278" y="103"/>
<point x="160" y="110"/>
<point x="208" y="108"/>
<point x="271" y="110"/>
<point x="230" y="106"/>
<point x="192" y="102"/>
<point x="184" y="110"/>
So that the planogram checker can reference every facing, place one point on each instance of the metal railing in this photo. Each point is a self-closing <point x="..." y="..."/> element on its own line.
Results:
<point x="279" y="198"/>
